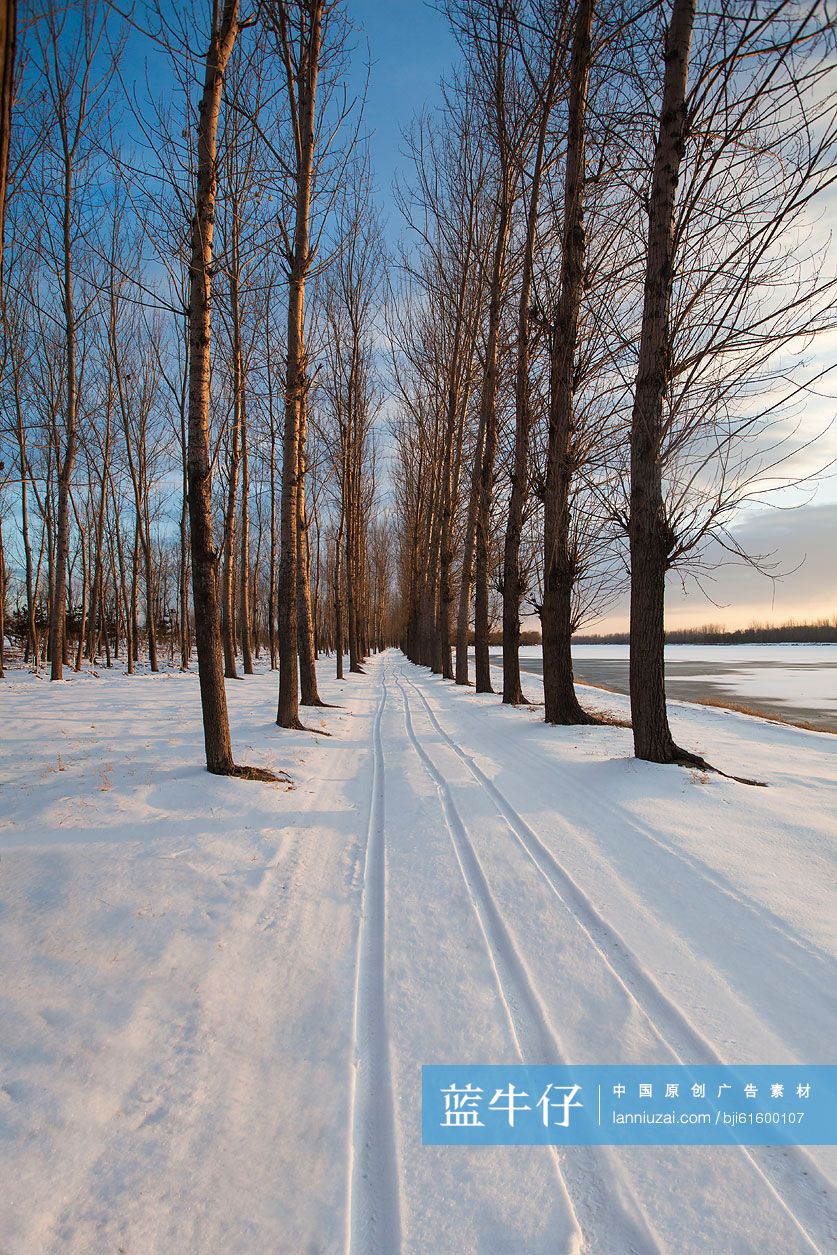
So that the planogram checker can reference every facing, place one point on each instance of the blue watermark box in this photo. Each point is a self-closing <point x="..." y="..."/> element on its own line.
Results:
<point x="629" y="1105"/>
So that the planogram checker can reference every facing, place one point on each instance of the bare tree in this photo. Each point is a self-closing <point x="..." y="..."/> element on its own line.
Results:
<point x="546" y="81"/>
<point x="489" y="34"/>
<point x="561" y="704"/>
<point x="731" y="284"/>
<point x="8" y="32"/>
<point x="74" y="69"/>
<point x="351" y="289"/>
<point x="298" y="25"/>
<point x="216" y="728"/>
<point x="451" y="220"/>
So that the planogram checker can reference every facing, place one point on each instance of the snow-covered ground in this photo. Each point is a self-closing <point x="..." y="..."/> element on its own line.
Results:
<point x="216" y="995"/>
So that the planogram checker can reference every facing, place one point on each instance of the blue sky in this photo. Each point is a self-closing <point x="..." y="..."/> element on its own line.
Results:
<point x="410" y="46"/>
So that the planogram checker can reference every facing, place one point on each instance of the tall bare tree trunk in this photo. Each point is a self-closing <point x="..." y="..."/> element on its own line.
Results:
<point x="82" y="531"/>
<point x="244" y="555"/>
<point x="57" y="641"/>
<point x="20" y="435"/>
<point x="2" y="603"/>
<point x="123" y="583"/>
<point x="338" y="594"/>
<point x="97" y="598"/>
<point x="8" y="31"/>
<point x="649" y="531"/>
<point x="351" y="594"/>
<point x="253" y="595"/>
<point x="135" y="590"/>
<point x="228" y="568"/>
<point x="271" y="591"/>
<point x="488" y="422"/>
<point x="216" y="727"/>
<point x="443" y="662"/>
<point x="432" y="601"/>
<point x="560" y="702"/>
<point x="513" y="586"/>
<point x="183" y="582"/>
<point x="150" y="591"/>
<point x="302" y="90"/>
<point x="467" y="575"/>
<point x="509" y="144"/>
<point x="183" y="585"/>
<point x="309" y="696"/>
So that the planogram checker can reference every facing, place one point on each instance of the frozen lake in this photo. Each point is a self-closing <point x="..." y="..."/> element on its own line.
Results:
<point x="796" y="682"/>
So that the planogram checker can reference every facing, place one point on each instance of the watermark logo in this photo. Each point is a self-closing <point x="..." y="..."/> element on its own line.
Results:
<point x="613" y="1105"/>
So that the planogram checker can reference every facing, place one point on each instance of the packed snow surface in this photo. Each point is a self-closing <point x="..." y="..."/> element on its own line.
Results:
<point x="216" y="995"/>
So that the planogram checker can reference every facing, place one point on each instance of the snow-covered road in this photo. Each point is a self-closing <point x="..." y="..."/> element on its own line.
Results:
<point x="216" y="996"/>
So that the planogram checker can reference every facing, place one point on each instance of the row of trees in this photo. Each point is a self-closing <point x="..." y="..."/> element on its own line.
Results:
<point x="189" y="387"/>
<point x="597" y="329"/>
<point x="601" y="344"/>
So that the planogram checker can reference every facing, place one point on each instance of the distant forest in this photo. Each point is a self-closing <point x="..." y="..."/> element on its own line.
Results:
<point x="823" y="632"/>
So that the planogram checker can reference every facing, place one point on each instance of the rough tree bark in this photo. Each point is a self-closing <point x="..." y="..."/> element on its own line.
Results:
<point x="216" y="728"/>
<point x="649" y="531"/>
<point x="513" y="585"/>
<point x="508" y="153"/>
<point x="8" y="25"/>
<point x="488" y="423"/>
<point x="456" y="405"/>
<point x="233" y="464"/>
<point x="338" y="598"/>
<point x="57" y="641"/>
<point x="244" y="608"/>
<point x="302" y="95"/>
<point x="443" y="662"/>
<point x="467" y="576"/>
<point x="183" y="582"/>
<point x="560" y="702"/>
<point x="309" y="695"/>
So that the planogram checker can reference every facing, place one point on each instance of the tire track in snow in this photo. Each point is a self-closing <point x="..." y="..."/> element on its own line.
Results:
<point x="373" y="1223"/>
<point x="787" y="1171"/>
<point x="608" y="1215"/>
<point x="694" y="865"/>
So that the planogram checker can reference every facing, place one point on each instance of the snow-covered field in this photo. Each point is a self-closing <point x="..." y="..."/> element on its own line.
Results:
<point x="801" y="675"/>
<point x="216" y="995"/>
<point x="795" y="682"/>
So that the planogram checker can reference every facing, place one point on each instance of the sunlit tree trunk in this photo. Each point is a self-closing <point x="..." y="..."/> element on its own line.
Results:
<point x="216" y="726"/>
<point x="649" y="531"/>
<point x="309" y="696"/>
<point x="467" y="576"/>
<point x="302" y="93"/>
<point x="560" y="702"/>
<point x="233" y="464"/>
<point x="244" y="556"/>
<point x="57" y="641"/>
<point x="488" y="421"/>
<point x="513" y="587"/>
<point x="8" y="24"/>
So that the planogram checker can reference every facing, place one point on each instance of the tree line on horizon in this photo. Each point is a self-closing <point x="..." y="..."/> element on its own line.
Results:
<point x="819" y="632"/>
<point x="792" y="632"/>
<point x="231" y="424"/>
